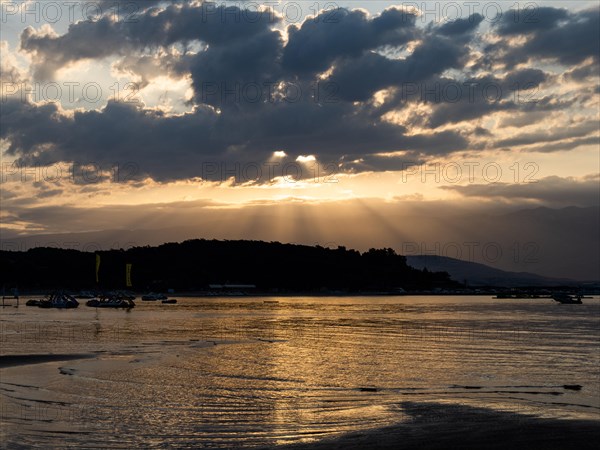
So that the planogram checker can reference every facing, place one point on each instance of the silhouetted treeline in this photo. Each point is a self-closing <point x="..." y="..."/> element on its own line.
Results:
<point x="194" y="264"/>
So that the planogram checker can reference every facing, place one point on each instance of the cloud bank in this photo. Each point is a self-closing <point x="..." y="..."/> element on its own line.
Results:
<point x="344" y="86"/>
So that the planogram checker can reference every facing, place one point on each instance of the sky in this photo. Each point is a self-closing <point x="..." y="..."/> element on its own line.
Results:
<point x="465" y="129"/>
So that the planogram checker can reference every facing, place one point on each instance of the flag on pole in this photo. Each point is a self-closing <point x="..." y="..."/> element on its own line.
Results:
<point x="128" y="275"/>
<point x="97" y="266"/>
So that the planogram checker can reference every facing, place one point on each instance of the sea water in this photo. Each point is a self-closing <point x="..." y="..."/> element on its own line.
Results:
<point x="242" y="372"/>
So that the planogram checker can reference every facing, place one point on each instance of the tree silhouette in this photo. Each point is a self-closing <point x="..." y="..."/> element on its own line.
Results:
<point x="194" y="264"/>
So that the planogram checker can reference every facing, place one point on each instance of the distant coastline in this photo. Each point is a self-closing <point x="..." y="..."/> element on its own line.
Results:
<point x="196" y="265"/>
<point x="209" y="268"/>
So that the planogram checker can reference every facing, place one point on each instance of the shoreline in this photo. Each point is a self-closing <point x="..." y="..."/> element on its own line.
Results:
<point x="205" y="294"/>
<point x="7" y="361"/>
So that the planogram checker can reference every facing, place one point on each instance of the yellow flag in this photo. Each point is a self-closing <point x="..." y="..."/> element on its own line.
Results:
<point x="97" y="266"/>
<point x="128" y="275"/>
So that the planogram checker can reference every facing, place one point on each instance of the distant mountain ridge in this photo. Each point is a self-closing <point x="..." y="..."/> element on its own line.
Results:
<point x="477" y="274"/>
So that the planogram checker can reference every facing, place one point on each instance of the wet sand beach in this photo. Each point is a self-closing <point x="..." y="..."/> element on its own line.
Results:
<point x="302" y="373"/>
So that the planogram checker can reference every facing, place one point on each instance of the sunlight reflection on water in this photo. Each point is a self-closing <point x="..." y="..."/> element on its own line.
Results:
<point x="242" y="372"/>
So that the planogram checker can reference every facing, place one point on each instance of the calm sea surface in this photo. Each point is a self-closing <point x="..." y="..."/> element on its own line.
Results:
<point x="247" y="372"/>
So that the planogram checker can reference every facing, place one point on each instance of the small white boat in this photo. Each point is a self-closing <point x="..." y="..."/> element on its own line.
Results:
<point x="567" y="299"/>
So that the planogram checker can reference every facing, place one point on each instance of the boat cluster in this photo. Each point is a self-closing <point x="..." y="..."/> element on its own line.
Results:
<point x="560" y="297"/>
<point x="110" y="301"/>
<point x="118" y="299"/>
<point x="55" y="300"/>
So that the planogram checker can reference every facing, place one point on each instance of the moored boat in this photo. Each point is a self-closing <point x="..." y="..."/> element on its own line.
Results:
<point x="56" y="300"/>
<point x="111" y="302"/>
<point x="567" y="299"/>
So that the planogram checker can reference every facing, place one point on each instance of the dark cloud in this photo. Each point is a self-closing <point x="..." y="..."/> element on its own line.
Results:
<point x="457" y="101"/>
<point x="121" y="132"/>
<point x="256" y="93"/>
<point x="461" y="26"/>
<point x="524" y="119"/>
<point x="524" y="79"/>
<point x="584" y="72"/>
<point x="244" y="68"/>
<point x="551" y="135"/>
<point x="344" y="34"/>
<point x="39" y="135"/>
<point x="551" y="190"/>
<point x="567" y="145"/>
<point x="291" y="112"/>
<point x="176" y="24"/>
<point x="358" y="79"/>
<point x="550" y="33"/>
<point x="530" y="20"/>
